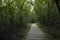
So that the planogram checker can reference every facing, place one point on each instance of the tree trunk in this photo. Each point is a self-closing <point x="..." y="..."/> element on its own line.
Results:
<point x="57" y="3"/>
<point x="0" y="3"/>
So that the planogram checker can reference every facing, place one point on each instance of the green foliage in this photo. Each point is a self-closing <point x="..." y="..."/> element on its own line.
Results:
<point x="15" y="15"/>
<point x="13" y="20"/>
<point x="48" y="16"/>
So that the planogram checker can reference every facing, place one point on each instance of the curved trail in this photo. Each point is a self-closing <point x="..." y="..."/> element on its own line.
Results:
<point x="35" y="34"/>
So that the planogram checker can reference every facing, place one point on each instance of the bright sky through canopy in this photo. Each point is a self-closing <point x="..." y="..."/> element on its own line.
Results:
<point x="33" y="1"/>
<point x="32" y="6"/>
<point x="3" y="3"/>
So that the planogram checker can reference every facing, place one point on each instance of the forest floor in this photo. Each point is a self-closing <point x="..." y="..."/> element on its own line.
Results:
<point x="36" y="33"/>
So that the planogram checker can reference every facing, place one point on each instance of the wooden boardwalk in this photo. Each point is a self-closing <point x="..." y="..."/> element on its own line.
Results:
<point x="35" y="34"/>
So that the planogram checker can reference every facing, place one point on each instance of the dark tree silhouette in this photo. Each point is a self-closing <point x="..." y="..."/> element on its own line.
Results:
<point x="57" y="3"/>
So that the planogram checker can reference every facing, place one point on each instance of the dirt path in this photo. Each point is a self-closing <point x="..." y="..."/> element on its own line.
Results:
<point x="35" y="33"/>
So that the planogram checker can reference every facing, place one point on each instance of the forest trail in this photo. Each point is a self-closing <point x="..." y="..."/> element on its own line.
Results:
<point x="35" y="33"/>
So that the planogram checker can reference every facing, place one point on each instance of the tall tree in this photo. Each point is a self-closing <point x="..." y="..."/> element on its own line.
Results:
<point x="57" y="3"/>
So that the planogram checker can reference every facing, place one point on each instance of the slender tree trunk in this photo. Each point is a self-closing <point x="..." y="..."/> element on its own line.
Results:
<point x="0" y="3"/>
<point x="57" y="3"/>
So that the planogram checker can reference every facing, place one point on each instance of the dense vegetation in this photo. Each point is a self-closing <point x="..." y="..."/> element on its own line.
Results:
<point x="13" y="19"/>
<point x="16" y="15"/>
<point x="48" y="15"/>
